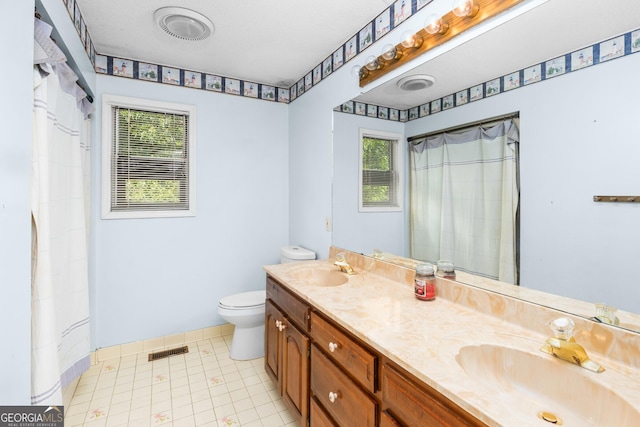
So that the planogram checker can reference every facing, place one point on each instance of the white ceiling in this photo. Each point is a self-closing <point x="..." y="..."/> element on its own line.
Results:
<point x="277" y="42"/>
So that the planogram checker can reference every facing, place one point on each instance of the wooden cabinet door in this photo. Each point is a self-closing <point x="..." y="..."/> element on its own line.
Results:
<point x="295" y="373"/>
<point x="273" y="343"/>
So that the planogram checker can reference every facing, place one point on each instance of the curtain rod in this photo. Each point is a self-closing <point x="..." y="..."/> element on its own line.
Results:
<point x="464" y="126"/>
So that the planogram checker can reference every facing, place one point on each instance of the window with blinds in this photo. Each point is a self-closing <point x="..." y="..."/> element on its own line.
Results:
<point x="380" y="164"/>
<point x="150" y="160"/>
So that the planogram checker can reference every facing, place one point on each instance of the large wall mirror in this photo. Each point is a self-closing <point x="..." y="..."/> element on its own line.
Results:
<point x="579" y="139"/>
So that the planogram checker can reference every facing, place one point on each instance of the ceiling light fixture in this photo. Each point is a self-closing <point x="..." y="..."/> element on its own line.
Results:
<point x="411" y="40"/>
<point x="464" y="8"/>
<point x="437" y="30"/>
<point x="390" y="53"/>
<point x="416" y="82"/>
<point x="184" y="24"/>
<point x="435" y="25"/>
<point x="372" y="63"/>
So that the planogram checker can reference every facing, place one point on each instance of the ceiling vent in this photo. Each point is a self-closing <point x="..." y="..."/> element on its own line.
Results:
<point x="183" y="23"/>
<point x="417" y="82"/>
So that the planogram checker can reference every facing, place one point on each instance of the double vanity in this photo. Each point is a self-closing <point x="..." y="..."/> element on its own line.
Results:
<point x="360" y="350"/>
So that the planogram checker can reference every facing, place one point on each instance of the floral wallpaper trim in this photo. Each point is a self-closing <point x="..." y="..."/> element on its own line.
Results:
<point x="613" y="48"/>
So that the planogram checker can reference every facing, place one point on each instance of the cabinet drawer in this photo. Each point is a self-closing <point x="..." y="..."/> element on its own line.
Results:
<point x="347" y="353"/>
<point x="318" y="417"/>
<point x="413" y="406"/>
<point x="296" y="310"/>
<point x="387" y="420"/>
<point x="341" y="397"/>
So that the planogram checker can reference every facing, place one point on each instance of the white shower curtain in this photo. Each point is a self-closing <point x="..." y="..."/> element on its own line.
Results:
<point x="464" y="199"/>
<point x="60" y="347"/>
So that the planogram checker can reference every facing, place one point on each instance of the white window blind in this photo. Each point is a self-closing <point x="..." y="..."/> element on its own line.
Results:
<point x="379" y="172"/>
<point x="150" y="161"/>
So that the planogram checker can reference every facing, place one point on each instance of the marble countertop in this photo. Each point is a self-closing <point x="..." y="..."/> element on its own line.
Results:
<point x="424" y="337"/>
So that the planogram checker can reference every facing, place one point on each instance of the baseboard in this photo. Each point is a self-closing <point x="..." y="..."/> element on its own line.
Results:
<point x="160" y="343"/>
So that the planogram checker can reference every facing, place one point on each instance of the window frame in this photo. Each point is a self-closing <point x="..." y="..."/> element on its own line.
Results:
<point x="397" y="165"/>
<point x="109" y="102"/>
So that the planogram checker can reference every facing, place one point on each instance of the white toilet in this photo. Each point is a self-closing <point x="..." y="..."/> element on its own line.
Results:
<point x="246" y="311"/>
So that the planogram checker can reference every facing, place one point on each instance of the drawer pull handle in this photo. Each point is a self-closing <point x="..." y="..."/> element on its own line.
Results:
<point x="282" y="326"/>
<point x="333" y="346"/>
<point x="333" y="396"/>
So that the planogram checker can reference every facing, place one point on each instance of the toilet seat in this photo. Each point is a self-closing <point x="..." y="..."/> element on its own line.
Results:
<point x="244" y="300"/>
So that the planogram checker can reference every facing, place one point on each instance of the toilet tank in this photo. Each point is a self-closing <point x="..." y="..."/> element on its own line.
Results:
<point x="295" y="253"/>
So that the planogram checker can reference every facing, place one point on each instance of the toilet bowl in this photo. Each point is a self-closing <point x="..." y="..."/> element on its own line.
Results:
<point x="246" y="311"/>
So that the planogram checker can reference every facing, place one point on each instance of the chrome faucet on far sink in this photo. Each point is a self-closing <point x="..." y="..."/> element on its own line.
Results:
<point x="564" y="346"/>
<point x="343" y="264"/>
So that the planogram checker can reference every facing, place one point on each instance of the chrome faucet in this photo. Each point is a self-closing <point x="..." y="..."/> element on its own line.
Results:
<point x="564" y="346"/>
<point x="343" y="264"/>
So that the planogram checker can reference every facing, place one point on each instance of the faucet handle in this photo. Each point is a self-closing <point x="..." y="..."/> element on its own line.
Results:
<point x="340" y="257"/>
<point x="562" y="328"/>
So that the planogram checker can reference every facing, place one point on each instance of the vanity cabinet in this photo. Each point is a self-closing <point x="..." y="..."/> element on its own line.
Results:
<point x="287" y="349"/>
<point x="330" y="378"/>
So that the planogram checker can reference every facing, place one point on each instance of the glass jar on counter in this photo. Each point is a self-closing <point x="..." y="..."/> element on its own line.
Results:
<point x="446" y="270"/>
<point x="425" y="282"/>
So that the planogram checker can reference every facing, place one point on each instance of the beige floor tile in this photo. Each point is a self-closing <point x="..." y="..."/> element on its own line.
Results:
<point x="184" y="422"/>
<point x="74" y="420"/>
<point x="198" y="386"/>
<point x="260" y="399"/>
<point x="119" y="408"/>
<point x="221" y="400"/>
<point x="96" y="423"/>
<point x="143" y="412"/>
<point x="180" y="391"/>
<point x="161" y="417"/>
<point x="199" y="395"/>
<point x="81" y="398"/>
<point x="202" y="406"/>
<point x="201" y="388"/>
<point x="286" y="416"/>
<point x="239" y="394"/>
<point x="272" y="420"/>
<point x="266" y="409"/>
<point x="160" y="406"/>
<point x="125" y="396"/>
<point x="248" y="416"/>
<point x="184" y="400"/>
<point x="117" y="419"/>
<point x="182" y="412"/>
<point x="243" y="405"/>
<point x="204" y="417"/>
<point x="236" y="385"/>
<point x="140" y="422"/>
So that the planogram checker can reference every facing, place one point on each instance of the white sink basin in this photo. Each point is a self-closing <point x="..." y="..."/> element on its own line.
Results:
<point x="532" y="384"/>
<point x="320" y="277"/>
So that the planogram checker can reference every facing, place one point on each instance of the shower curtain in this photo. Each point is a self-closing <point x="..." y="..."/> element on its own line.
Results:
<point x="59" y="206"/>
<point x="464" y="199"/>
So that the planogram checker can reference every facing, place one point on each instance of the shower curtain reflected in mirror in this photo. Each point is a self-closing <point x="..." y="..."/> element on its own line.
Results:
<point x="464" y="198"/>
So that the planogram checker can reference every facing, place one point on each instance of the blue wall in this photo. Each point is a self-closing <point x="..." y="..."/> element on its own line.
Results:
<point x="155" y="277"/>
<point x="16" y="45"/>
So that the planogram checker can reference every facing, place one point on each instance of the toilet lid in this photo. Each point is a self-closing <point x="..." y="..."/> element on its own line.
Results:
<point x="244" y="300"/>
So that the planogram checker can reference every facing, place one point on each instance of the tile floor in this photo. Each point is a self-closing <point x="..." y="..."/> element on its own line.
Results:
<point x="201" y="388"/>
